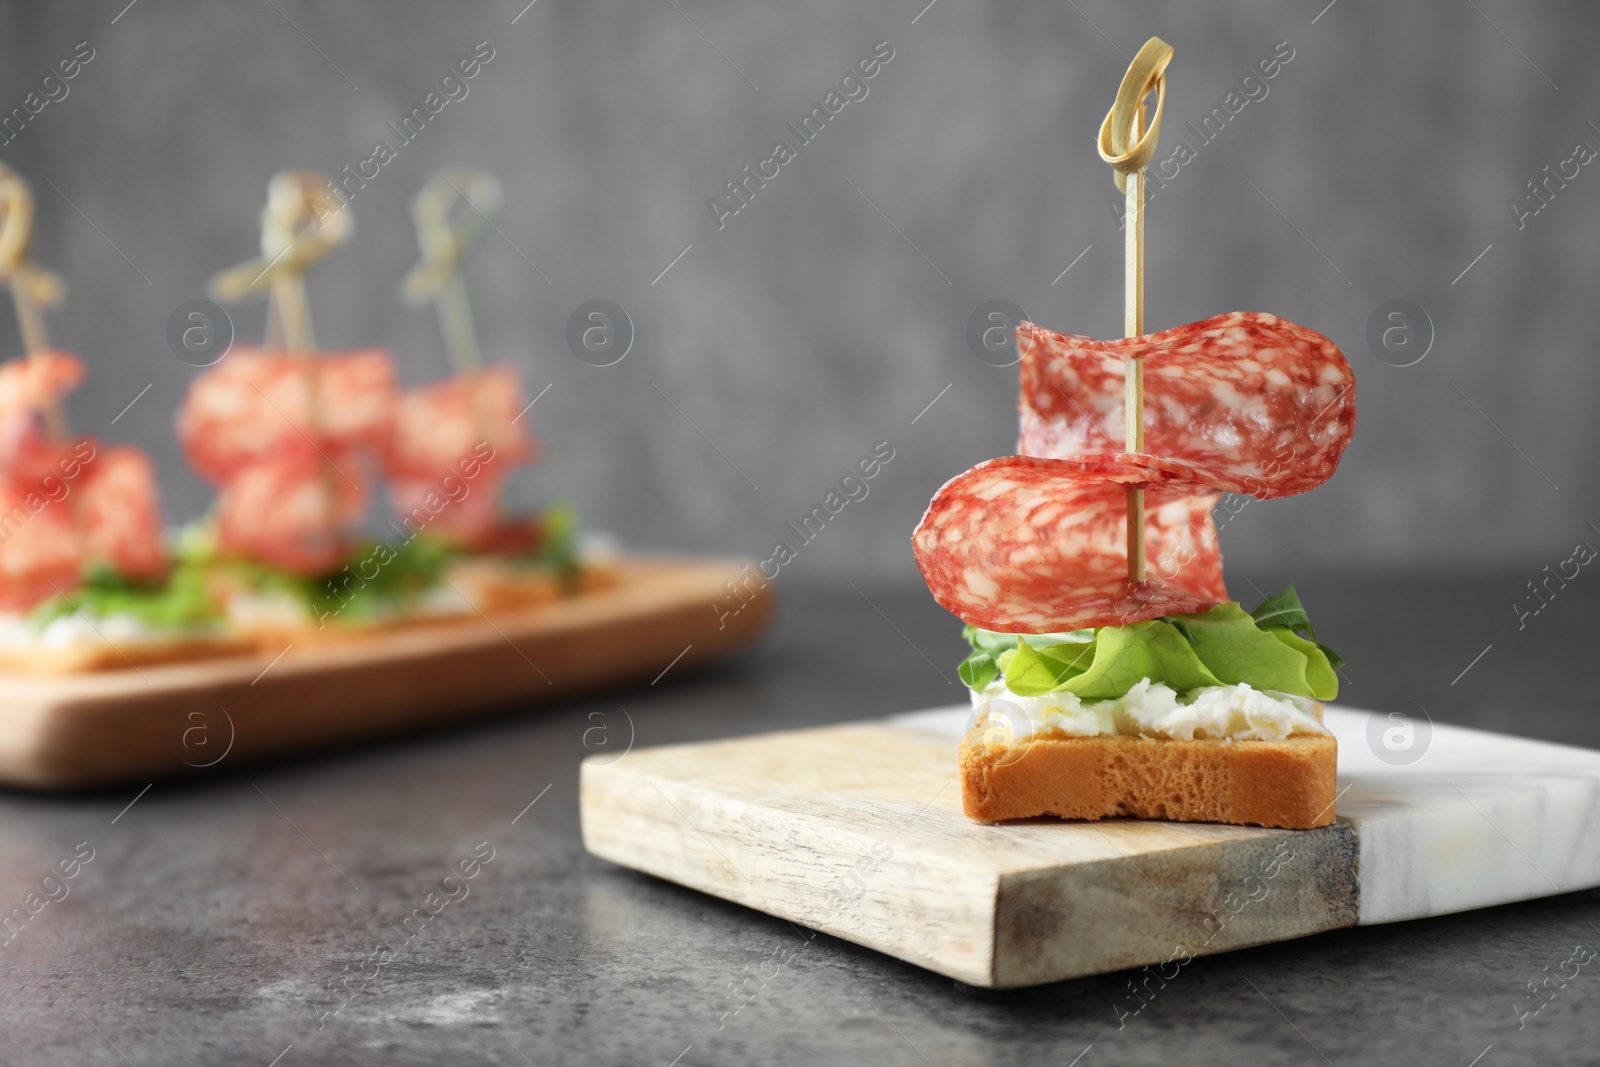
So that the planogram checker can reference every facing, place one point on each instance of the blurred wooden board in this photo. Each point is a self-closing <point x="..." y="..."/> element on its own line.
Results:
<point x="857" y="830"/>
<point x="109" y="726"/>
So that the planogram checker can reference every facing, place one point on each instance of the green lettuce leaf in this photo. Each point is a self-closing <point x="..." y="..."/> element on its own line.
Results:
<point x="982" y="666"/>
<point x="1321" y="676"/>
<point x="1285" y="612"/>
<point x="1046" y="668"/>
<point x="978" y="671"/>
<point x="559" y="549"/>
<point x="1223" y="646"/>
<point x="181" y="601"/>
<point x="1284" y="609"/>
<point x="1238" y="649"/>
<point x="1119" y="658"/>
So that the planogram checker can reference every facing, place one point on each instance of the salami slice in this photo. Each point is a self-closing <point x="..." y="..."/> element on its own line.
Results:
<point x="439" y="425"/>
<point x="39" y="551"/>
<point x="32" y="383"/>
<point x="28" y="387"/>
<point x="1244" y="402"/>
<point x="119" y="509"/>
<point x="67" y="503"/>
<point x="1025" y="544"/>
<point x="296" y="511"/>
<point x="466" y="512"/>
<point x="255" y="404"/>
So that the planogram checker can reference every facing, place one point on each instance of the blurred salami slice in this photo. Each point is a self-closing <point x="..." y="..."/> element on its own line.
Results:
<point x="40" y="555"/>
<point x="1244" y="402"/>
<point x="32" y="383"/>
<point x="297" y="511"/>
<point x="28" y="387"/>
<point x="462" y="511"/>
<point x="442" y="425"/>
<point x="1025" y="544"/>
<point x="256" y="403"/>
<point x="119" y="507"/>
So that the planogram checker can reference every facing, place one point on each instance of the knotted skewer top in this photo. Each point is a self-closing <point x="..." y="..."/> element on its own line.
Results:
<point x="1147" y="72"/>
<point x="445" y="241"/>
<point x="304" y="219"/>
<point x="302" y="222"/>
<point x="33" y="287"/>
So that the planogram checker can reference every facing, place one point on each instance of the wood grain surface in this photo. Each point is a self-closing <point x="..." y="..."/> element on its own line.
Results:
<point x="857" y="830"/>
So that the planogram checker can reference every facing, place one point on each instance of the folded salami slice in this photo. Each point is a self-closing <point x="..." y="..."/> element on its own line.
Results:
<point x="443" y="425"/>
<point x="40" y="555"/>
<point x="460" y="510"/>
<point x="29" y="386"/>
<point x="32" y="383"/>
<point x="119" y="508"/>
<point x="1244" y="402"/>
<point x="1026" y="544"/>
<point x="256" y="403"/>
<point x="297" y="511"/>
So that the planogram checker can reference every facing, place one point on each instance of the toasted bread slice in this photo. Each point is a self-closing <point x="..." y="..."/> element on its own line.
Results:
<point x="479" y="587"/>
<point x="1288" y="784"/>
<point x="99" y="654"/>
<point x="493" y="585"/>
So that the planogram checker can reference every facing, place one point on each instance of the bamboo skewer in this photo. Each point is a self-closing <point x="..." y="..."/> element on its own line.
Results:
<point x="302" y="222"/>
<point x="444" y="244"/>
<point x="32" y="287"/>
<point x="1133" y="379"/>
<point x="1128" y="144"/>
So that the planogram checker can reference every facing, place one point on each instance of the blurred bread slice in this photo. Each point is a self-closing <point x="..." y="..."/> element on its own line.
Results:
<point x="99" y="654"/>
<point x="471" y="589"/>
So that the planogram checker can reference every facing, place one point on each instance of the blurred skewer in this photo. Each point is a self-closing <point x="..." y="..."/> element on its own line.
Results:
<point x="33" y="288"/>
<point x="445" y="242"/>
<point x="302" y="222"/>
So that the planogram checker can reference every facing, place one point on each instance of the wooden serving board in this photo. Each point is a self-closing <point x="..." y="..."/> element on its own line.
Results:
<point x="857" y="830"/>
<point x="150" y="721"/>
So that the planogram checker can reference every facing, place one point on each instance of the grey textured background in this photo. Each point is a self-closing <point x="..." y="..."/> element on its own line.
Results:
<point x="808" y="328"/>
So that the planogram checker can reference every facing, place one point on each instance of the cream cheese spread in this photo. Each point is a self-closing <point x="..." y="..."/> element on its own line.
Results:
<point x="1153" y="709"/>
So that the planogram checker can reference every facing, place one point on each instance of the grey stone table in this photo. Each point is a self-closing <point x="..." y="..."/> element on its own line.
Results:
<point x="273" y="911"/>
